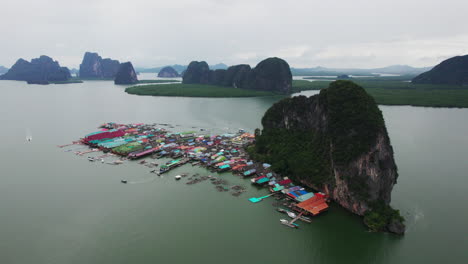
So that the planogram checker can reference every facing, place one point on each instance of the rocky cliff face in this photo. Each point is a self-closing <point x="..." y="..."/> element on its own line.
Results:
<point x="168" y="72"/>
<point x="272" y="74"/>
<point x="237" y="76"/>
<point x="335" y="142"/>
<point x="94" y="67"/>
<point x="40" y="70"/>
<point x="217" y="77"/>
<point x="197" y="72"/>
<point x="109" y="68"/>
<point x="126" y="74"/>
<point x="453" y="71"/>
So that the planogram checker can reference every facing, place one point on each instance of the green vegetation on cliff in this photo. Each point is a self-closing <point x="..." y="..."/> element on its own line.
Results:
<point x="381" y="216"/>
<point x="301" y="154"/>
<point x="349" y="108"/>
<point x="354" y="120"/>
<point x="194" y="90"/>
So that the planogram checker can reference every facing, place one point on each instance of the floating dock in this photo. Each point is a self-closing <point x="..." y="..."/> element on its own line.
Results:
<point x="217" y="153"/>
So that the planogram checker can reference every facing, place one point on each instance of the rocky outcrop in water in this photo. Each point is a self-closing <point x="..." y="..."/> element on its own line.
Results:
<point x="335" y="142"/>
<point x="168" y="72"/>
<point x="343" y="77"/>
<point x="94" y="67"/>
<point x="272" y="74"/>
<point x="453" y="71"/>
<point x="41" y="70"/>
<point x="126" y="74"/>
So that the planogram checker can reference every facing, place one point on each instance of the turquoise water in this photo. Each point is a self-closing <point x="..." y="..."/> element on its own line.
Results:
<point x="57" y="207"/>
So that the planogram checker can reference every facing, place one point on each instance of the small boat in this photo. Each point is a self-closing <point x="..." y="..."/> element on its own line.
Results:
<point x="123" y="181"/>
<point x="91" y="159"/>
<point x="291" y="214"/>
<point x="287" y="223"/>
<point x="178" y="177"/>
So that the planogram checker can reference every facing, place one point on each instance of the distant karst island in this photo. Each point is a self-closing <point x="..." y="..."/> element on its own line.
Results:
<point x="445" y="85"/>
<point x="42" y="70"/>
<point x="126" y="74"/>
<point x="271" y="76"/>
<point x="95" y="67"/>
<point x="3" y="69"/>
<point x="168" y="72"/>
<point x="335" y="142"/>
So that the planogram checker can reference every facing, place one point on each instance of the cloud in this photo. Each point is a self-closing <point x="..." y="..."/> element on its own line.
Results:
<point x="416" y="52"/>
<point x="360" y="33"/>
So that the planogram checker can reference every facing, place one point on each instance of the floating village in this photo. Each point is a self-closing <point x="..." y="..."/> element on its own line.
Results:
<point x="216" y="153"/>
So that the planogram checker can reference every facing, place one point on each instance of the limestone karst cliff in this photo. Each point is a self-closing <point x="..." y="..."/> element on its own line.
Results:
<point x="272" y="74"/>
<point x="126" y="74"/>
<point x="41" y="70"/>
<point x="94" y="67"/>
<point x="335" y="142"/>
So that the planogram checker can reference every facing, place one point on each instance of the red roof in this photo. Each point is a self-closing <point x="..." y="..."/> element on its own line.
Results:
<point x="103" y="135"/>
<point x="284" y="182"/>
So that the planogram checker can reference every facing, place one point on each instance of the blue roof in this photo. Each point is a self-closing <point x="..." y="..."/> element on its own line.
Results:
<point x="263" y="180"/>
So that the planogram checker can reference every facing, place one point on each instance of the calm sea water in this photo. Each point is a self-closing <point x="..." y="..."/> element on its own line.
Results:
<point x="56" y="207"/>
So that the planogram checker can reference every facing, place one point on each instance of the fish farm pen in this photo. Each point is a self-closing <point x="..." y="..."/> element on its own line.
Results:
<point x="216" y="153"/>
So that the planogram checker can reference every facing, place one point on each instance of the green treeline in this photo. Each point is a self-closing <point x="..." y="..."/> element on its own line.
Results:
<point x="406" y="93"/>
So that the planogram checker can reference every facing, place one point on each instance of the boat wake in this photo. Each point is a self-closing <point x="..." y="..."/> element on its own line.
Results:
<point x="414" y="218"/>
<point x="142" y="181"/>
<point x="418" y="215"/>
<point x="28" y="135"/>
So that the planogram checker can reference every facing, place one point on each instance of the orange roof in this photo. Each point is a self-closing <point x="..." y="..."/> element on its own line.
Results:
<point x="247" y="135"/>
<point x="314" y="205"/>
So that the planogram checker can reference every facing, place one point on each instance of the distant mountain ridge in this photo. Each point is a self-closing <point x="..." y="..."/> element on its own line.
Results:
<point x="453" y="71"/>
<point x="3" y="70"/>
<point x="314" y="71"/>
<point x="179" y="68"/>
<point x="393" y="69"/>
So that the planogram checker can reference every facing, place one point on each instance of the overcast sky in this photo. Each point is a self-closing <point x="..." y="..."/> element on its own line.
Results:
<point x="309" y="33"/>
